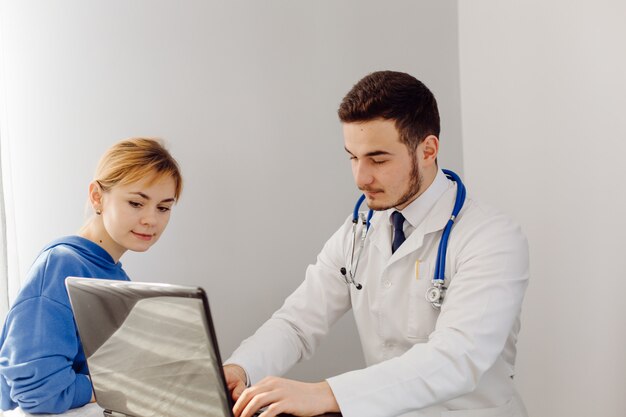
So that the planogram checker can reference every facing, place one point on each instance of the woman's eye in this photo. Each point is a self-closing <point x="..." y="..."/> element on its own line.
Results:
<point x="134" y="204"/>
<point x="164" y="209"/>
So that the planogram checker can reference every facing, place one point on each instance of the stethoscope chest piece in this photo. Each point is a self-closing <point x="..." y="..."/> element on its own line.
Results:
<point x="435" y="294"/>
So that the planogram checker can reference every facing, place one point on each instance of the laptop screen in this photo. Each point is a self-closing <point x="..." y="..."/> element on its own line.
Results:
<point x="150" y="348"/>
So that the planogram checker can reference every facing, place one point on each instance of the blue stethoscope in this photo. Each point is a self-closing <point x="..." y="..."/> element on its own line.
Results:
<point x="437" y="290"/>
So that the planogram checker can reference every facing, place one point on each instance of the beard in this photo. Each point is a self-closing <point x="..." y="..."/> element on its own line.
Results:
<point x="413" y="188"/>
<point x="415" y="185"/>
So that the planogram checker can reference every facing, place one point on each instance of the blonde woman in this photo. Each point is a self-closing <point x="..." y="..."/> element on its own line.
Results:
<point x="42" y="364"/>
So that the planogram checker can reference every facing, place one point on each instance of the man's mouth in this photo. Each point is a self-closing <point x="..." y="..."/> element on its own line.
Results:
<point x="371" y="191"/>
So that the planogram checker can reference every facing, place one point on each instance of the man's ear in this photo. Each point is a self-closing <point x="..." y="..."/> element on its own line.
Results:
<point x="95" y="196"/>
<point x="428" y="150"/>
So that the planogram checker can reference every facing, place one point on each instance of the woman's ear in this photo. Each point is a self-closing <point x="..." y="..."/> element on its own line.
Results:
<point x="95" y="196"/>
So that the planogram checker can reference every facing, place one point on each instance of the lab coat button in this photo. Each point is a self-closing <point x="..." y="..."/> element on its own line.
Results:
<point x="387" y="284"/>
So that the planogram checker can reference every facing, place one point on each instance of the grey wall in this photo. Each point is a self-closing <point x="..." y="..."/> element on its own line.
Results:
<point x="245" y="93"/>
<point x="543" y="95"/>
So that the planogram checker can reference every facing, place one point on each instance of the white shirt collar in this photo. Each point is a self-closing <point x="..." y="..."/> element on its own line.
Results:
<point x="416" y="212"/>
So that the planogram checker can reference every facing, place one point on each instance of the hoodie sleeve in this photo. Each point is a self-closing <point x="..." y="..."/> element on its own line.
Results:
<point x="41" y="361"/>
<point x="40" y="345"/>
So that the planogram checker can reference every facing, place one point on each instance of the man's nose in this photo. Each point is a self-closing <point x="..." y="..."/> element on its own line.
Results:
<point x="362" y="174"/>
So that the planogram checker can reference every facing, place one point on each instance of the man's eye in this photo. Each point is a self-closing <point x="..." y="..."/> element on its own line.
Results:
<point x="134" y="204"/>
<point x="379" y="161"/>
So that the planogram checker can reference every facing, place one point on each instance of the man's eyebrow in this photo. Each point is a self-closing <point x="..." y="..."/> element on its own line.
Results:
<point x="142" y="195"/>
<point x="377" y="153"/>
<point x="372" y="153"/>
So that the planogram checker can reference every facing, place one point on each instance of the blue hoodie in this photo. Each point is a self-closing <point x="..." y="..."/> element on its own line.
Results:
<point x="42" y="363"/>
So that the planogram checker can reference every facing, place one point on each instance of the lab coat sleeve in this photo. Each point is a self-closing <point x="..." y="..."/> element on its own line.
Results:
<point x="295" y="330"/>
<point x="490" y="260"/>
<point x="40" y="375"/>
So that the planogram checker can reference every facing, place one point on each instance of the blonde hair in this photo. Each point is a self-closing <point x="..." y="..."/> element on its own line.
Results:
<point x="134" y="159"/>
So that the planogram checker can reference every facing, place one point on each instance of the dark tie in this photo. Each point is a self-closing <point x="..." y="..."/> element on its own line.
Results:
<point x="398" y="234"/>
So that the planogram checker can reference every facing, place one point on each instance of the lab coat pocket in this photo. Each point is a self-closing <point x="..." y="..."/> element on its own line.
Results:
<point x="505" y="410"/>
<point x="422" y="317"/>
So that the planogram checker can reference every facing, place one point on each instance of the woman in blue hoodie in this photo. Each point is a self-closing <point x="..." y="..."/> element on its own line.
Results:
<point x="42" y="364"/>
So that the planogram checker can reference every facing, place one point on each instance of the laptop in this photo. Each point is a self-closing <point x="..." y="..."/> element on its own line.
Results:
<point x="151" y="348"/>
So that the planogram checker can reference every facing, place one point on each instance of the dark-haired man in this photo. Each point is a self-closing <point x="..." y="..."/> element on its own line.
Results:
<point x="421" y="361"/>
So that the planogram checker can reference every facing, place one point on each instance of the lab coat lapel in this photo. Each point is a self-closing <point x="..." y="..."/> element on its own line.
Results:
<point x="381" y="234"/>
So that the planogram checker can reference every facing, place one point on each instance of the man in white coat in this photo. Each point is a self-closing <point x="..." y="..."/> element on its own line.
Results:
<point x="421" y="361"/>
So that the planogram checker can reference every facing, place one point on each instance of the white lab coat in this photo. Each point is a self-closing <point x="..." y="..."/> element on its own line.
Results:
<point x="420" y="361"/>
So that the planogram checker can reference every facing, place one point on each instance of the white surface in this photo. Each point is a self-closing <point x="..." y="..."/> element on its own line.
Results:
<point x="246" y="94"/>
<point x="89" y="410"/>
<point x="543" y="96"/>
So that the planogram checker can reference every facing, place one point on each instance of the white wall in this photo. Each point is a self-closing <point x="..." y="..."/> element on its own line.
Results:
<point x="246" y="95"/>
<point x="543" y="92"/>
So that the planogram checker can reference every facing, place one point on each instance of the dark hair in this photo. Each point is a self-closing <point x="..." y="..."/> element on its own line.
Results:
<point x="393" y="96"/>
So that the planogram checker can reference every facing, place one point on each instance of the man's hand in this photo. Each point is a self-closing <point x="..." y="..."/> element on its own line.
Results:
<point x="281" y="395"/>
<point x="235" y="380"/>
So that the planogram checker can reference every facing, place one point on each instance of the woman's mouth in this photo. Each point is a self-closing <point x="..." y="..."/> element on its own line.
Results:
<point x="143" y="236"/>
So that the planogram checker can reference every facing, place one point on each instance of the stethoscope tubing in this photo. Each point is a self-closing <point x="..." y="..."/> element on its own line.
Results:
<point x="355" y="212"/>
<point x="440" y="264"/>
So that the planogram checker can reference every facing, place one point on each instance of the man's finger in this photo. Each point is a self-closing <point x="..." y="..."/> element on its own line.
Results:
<point x="237" y="391"/>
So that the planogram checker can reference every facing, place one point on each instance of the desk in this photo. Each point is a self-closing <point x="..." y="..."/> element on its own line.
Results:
<point x="91" y="410"/>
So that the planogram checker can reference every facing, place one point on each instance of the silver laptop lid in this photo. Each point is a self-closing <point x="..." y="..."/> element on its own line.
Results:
<point x="151" y="348"/>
